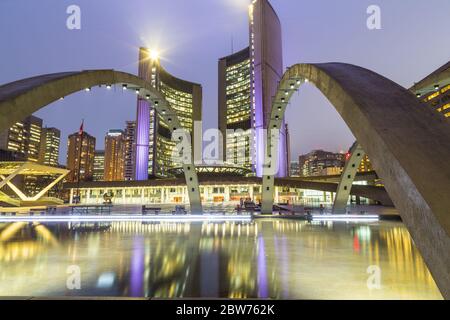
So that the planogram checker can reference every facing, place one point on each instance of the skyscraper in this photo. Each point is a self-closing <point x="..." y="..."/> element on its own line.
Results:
<point x="154" y="145"/>
<point x="248" y="80"/>
<point x="49" y="150"/>
<point x="130" y="147"/>
<point x="114" y="155"/>
<point x="24" y="138"/>
<point x="294" y="170"/>
<point x="80" y="156"/>
<point x="235" y="120"/>
<point x="99" y="165"/>
<point x="319" y="162"/>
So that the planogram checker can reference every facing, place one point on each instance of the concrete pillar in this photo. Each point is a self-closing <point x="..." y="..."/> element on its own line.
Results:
<point x="227" y="194"/>
<point x="206" y="194"/>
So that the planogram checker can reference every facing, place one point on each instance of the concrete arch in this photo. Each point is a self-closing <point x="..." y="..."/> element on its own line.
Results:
<point x="348" y="176"/>
<point x="407" y="142"/>
<point x="21" y="98"/>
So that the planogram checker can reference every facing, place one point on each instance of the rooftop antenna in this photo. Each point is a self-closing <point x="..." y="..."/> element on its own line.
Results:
<point x="232" y="45"/>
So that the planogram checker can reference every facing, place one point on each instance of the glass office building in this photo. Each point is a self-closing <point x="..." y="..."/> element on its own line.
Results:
<point x="183" y="96"/>
<point x="235" y="109"/>
<point x="248" y="80"/>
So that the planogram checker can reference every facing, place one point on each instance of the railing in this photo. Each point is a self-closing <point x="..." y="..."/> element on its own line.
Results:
<point x="91" y="209"/>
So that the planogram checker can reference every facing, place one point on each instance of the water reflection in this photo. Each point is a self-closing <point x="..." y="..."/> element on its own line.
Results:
<point x="266" y="258"/>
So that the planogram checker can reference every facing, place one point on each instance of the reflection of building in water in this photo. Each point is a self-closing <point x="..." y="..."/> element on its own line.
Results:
<point x="388" y="246"/>
<point x="157" y="268"/>
<point x="402" y="255"/>
<point x="20" y="251"/>
<point x="234" y="246"/>
<point x="159" y="227"/>
<point x="267" y="258"/>
<point x="31" y="241"/>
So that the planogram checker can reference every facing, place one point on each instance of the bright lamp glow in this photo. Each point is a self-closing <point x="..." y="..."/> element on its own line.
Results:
<point x="154" y="54"/>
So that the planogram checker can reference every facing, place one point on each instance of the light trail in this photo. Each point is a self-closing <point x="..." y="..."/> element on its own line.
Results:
<point x="123" y="218"/>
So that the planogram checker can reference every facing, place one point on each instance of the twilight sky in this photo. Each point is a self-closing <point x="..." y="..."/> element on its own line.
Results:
<point x="192" y="35"/>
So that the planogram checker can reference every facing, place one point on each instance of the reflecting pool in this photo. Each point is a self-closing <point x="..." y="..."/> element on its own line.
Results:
<point x="273" y="258"/>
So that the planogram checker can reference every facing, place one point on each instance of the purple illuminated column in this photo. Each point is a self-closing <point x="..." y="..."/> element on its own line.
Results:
<point x="137" y="268"/>
<point x="266" y="71"/>
<point x="142" y="139"/>
<point x="263" y="286"/>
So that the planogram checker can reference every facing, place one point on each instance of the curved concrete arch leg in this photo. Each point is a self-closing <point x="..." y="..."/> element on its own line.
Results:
<point x="268" y="179"/>
<point x="407" y="142"/>
<point x="270" y="168"/>
<point x="183" y="136"/>
<point x="193" y="188"/>
<point x="348" y="176"/>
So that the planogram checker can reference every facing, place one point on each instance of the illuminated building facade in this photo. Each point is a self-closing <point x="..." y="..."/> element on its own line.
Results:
<point x="114" y="155"/>
<point x="247" y="82"/>
<point x="130" y="147"/>
<point x="439" y="100"/>
<point x="434" y="89"/>
<point x="319" y="162"/>
<point x="154" y="145"/>
<point x="235" y="121"/>
<point x="80" y="156"/>
<point x="365" y="165"/>
<point x="49" y="150"/>
<point x="294" y="169"/>
<point x="24" y="138"/>
<point x="99" y="165"/>
<point x="174" y="192"/>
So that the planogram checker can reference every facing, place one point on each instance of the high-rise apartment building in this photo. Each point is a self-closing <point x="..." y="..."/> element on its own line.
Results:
<point x="114" y="155"/>
<point x="248" y="80"/>
<point x="99" y="165"/>
<point x="154" y="145"/>
<point x="130" y="147"/>
<point x="80" y="156"/>
<point x="49" y="149"/>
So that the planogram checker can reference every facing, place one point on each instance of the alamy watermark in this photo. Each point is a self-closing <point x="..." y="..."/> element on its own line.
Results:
<point x="239" y="148"/>
<point x="374" y="280"/>
<point x="73" y="21"/>
<point x="73" y="281"/>
<point x="374" y="19"/>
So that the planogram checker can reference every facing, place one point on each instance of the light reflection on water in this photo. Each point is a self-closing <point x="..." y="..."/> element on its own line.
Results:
<point x="266" y="258"/>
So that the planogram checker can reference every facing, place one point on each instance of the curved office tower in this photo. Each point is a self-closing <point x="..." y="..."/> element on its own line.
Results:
<point x="235" y="121"/>
<point x="154" y="143"/>
<point x="247" y="82"/>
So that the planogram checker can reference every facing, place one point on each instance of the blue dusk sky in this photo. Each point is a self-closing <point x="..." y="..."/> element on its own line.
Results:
<point x="192" y="35"/>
